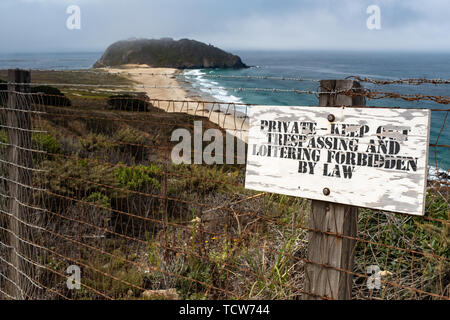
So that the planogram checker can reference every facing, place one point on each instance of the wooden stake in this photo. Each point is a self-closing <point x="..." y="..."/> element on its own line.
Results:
<point x="328" y="251"/>
<point x="18" y="176"/>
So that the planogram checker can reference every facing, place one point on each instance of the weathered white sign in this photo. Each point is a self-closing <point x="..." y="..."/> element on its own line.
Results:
<point x="367" y="157"/>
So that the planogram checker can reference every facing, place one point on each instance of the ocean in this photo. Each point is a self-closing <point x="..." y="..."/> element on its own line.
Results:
<point x="337" y="65"/>
<point x="53" y="61"/>
<point x="308" y="65"/>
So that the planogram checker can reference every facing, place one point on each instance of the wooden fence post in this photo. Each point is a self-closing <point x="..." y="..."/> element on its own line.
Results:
<point x="19" y="139"/>
<point x="329" y="252"/>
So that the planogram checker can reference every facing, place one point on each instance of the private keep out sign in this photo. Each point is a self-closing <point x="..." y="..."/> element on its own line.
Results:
<point x="366" y="157"/>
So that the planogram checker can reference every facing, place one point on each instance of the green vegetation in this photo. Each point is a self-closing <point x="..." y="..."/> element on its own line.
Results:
<point x="47" y="90"/>
<point x="130" y="136"/>
<point x="77" y="95"/>
<point x="46" y="142"/>
<point x="100" y="199"/>
<point x="96" y="142"/>
<point x="118" y="279"/>
<point x="147" y="224"/>
<point x="169" y="53"/>
<point x="51" y="96"/>
<point x="80" y="77"/>
<point x="205" y="180"/>
<point x="39" y="141"/>
<point x="126" y="102"/>
<point x="67" y="176"/>
<point x="136" y="177"/>
<point x="412" y="249"/>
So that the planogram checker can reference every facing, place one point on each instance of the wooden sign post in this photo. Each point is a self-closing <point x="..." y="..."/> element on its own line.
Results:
<point x="18" y="121"/>
<point x="328" y="250"/>
<point x="342" y="157"/>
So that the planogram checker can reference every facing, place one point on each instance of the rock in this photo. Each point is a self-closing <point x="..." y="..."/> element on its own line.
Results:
<point x="169" y="53"/>
<point x="168" y="294"/>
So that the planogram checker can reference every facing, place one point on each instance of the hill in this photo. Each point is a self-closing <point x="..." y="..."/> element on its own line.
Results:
<point x="169" y="53"/>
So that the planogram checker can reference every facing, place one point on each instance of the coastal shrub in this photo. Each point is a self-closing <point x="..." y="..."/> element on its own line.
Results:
<point x="203" y="179"/>
<point x="131" y="141"/>
<point x="99" y="212"/>
<point x="117" y="277"/>
<point x="100" y="199"/>
<point x="96" y="142"/>
<point x="51" y="96"/>
<point x="126" y="102"/>
<point x="47" y="90"/>
<point x="139" y="181"/>
<point x="100" y="126"/>
<point x="413" y="233"/>
<point x="39" y="141"/>
<point x="137" y="177"/>
<point x="69" y="176"/>
<point x="45" y="142"/>
<point x="130" y="136"/>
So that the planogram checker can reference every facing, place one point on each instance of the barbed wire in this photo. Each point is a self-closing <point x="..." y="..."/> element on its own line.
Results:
<point x="181" y="73"/>
<point x="413" y="81"/>
<point x="142" y="86"/>
<point x="193" y="228"/>
<point x="352" y="92"/>
<point x="305" y="260"/>
<point x="393" y="95"/>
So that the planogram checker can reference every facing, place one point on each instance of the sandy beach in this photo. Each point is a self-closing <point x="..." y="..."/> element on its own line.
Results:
<point x="181" y="99"/>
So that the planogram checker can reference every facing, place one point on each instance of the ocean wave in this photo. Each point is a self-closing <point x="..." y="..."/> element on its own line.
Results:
<point x="210" y="87"/>
<point x="438" y="174"/>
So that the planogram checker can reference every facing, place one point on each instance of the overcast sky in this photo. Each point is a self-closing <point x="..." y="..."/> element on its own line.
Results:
<point x="40" y="25"/>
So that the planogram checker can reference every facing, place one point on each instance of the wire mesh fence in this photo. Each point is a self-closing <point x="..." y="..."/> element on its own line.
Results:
<point x="89" y="183"/>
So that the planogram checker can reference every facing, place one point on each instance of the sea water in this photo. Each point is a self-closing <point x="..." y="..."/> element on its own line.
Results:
<point x="52" y="61"/>
<point x="336" y="65"/>
<point x="306" y="64"/>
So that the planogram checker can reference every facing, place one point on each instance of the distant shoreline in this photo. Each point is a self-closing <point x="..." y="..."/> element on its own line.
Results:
<point x="234" y="121"/>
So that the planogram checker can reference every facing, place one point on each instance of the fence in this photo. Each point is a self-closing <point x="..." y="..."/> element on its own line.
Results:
<point x="89" y="183"/>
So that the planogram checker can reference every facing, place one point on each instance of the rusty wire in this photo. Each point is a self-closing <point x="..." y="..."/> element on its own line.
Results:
<point x="413" y="81"/>
<point x="178" y="226"/>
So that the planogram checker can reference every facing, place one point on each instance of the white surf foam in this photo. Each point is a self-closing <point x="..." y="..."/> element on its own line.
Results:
<point x="210" y="87"/>
<point x="437" y="174"/>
